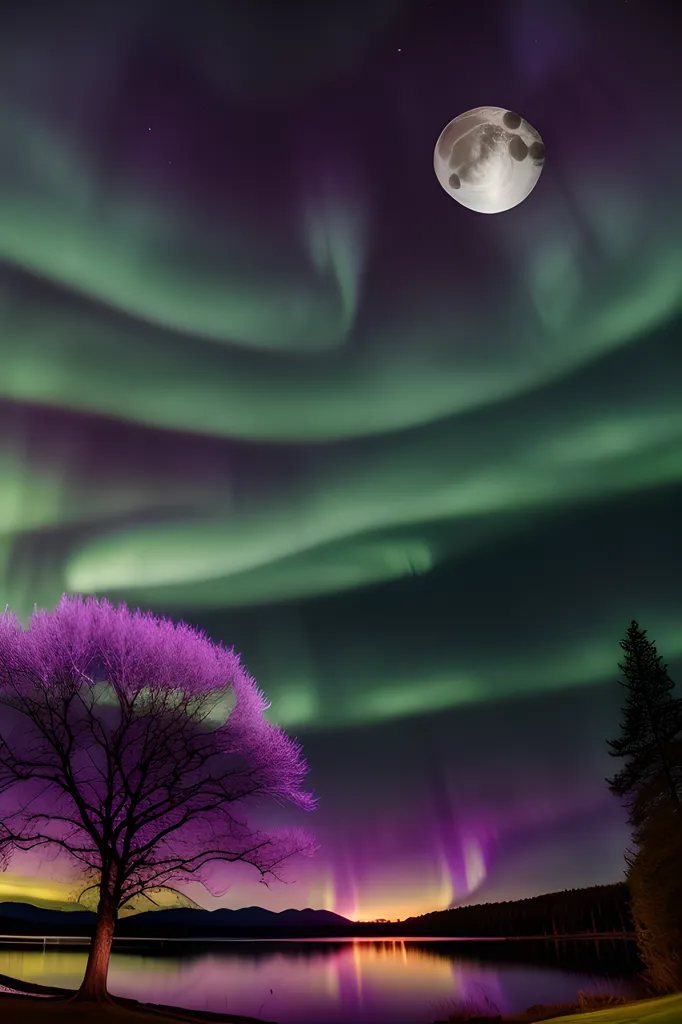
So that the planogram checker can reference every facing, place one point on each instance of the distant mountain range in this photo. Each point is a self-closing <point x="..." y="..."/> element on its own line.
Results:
<point x="27" y="919"/>
<point x="252" y="917"/>
<point x="43" y="915"/>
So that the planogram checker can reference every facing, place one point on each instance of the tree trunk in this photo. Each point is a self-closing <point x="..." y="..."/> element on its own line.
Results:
<point x="94" y="985"/>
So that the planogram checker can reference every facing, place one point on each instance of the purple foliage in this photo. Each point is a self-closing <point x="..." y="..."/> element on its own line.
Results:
<point x="135" y="747"/>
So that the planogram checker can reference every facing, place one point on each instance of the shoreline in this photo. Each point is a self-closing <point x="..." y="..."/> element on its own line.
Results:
<point x="40" y="1000"/>
<point x="74" y="940"/>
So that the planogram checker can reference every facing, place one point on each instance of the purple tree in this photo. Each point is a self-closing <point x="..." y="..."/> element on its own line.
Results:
<point x="134" y="747"/>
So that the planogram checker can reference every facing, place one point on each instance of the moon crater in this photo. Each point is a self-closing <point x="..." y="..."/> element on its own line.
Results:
<point x="489" y="159"/>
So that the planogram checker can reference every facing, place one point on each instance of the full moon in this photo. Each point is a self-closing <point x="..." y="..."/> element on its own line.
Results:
<point x="489" y="159"/>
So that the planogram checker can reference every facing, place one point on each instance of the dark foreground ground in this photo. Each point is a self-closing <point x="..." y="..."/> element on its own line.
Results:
<point x="40" y="1004"/>
<point x="31" y="1010"/>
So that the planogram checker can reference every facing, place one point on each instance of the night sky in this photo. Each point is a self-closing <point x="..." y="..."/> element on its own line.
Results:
<point x="421" y="466"/>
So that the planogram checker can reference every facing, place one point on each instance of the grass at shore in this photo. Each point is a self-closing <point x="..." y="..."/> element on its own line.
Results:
<point x="667" y="1010"/>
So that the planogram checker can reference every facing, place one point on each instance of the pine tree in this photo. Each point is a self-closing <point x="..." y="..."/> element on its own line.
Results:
<point x="651" y="730"/>
<point x="654" y="876"/>
<point x="650" y="783"/>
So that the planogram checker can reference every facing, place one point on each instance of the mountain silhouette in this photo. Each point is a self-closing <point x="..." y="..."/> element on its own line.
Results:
<point x="27" y="919"/>
<point x="43" y="915"/>
<point x="252" y="917"/>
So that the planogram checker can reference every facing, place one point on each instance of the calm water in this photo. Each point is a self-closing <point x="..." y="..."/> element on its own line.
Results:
<point x="349" y="982"/>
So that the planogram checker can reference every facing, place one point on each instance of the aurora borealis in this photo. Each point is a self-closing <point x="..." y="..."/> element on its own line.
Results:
<point x="421" y="467"/>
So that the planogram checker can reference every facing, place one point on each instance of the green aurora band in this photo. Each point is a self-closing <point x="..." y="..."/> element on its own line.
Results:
<point x="432" y="427"/>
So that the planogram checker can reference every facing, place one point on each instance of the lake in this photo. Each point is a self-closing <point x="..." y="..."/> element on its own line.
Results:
<point x="354" y="981"/>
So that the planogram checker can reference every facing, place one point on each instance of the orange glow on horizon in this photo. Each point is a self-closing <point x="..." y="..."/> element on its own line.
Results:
<point x="432" y="893"/>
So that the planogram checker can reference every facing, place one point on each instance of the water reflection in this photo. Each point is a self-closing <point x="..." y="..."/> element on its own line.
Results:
<point x="343" y="982"/>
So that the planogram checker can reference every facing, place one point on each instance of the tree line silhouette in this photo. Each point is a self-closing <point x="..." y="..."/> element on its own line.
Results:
<point x="598" y="910"/>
